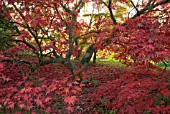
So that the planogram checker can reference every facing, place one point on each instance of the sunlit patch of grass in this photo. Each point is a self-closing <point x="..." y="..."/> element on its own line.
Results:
<point x="162" y="65"/>
<point x="109" y="62"/>
<point x="105" y="62"/>
<point x="117" y="63"/>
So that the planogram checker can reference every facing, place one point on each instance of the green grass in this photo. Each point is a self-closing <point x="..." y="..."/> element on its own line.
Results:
<point x="162" y="65"/>
<point x="117" y="63"/>
<point x="109" y="62"/>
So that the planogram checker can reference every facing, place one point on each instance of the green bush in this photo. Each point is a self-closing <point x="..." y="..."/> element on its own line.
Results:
<point x="5" y="33"/>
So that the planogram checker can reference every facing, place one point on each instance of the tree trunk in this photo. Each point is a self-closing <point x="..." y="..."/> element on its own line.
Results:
<point x="86" y="59"/>
<point x="94" y="57"/>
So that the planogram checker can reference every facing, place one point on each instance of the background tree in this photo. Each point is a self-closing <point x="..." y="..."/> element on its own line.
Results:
<point x="5" y="28"/>
<point x="120" y="41"/>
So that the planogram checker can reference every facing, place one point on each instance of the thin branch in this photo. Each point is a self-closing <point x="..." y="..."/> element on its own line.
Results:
<point x="70" y="40"/>
<point x="23" y="41"/>
<point x="149" y="3"/>
<point x="39" y="55"/>
<point x="28" y="64"/>
<point x="134" y="6"/>
<point x="110" y="11"/>
<point x="79" y="5"/>
<point x="149" y="8"/>
<point x="67" y="26"/>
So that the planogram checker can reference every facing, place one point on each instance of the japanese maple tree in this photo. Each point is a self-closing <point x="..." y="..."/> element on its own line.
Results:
<point x="143" y="36"/>
<point x="53" y="31"/>
<point x="50" y="29"/>
<point x="47" y="28"/>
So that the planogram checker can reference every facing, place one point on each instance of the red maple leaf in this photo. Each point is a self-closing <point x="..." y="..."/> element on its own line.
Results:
<point x="39" y="103"/>
<point x="47" y="99"/>
<point x="21" y="106"/>
<point x="77" y="88"/>
<point x="51" y="88"/>
<point x="48" y="110"/>
<point x="69" y="108"/>
<point x="11" y="105"/>
<point x="7" y="15"/>
<point x="66" y="90"/>
<point x="70" y="99"/>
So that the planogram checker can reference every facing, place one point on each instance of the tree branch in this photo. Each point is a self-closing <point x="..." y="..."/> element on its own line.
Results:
<point x="79" y="5"/>
<point x="39" y="55"/>
<point x="70" y="40"/>
<point x="149" y="8"/>
<point x="134" y="6"/>
<point x="67" y="26"/>
<point x="110" y="11"/>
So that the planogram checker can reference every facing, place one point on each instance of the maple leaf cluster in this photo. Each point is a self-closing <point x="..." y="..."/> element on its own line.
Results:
<point x="133" y="92"/>
<point x="40" y="90"/>
<point x="146" y="40"/>
<point x="51" y="90"/>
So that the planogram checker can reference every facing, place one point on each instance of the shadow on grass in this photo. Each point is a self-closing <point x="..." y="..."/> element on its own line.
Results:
<point x="164" y="65"/>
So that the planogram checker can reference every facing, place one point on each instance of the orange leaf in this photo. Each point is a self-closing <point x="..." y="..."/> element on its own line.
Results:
<point x="77" y="88"/>
<point x="39" y="103"/>
<point x="66" y="90"/>
<point x="70" y="100"/>
<point x="51" y="88"/>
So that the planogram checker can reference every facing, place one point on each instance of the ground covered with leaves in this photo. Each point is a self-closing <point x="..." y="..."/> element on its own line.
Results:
<point x="106" y="89"/>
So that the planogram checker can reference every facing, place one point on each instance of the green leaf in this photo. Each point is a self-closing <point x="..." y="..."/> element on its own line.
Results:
<point x="95" y="83"/>
<point x="36" y="110"/>
<point x="85" y="81"/>
<point x="157" y="102"/>
<point x="112" y="112"/>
